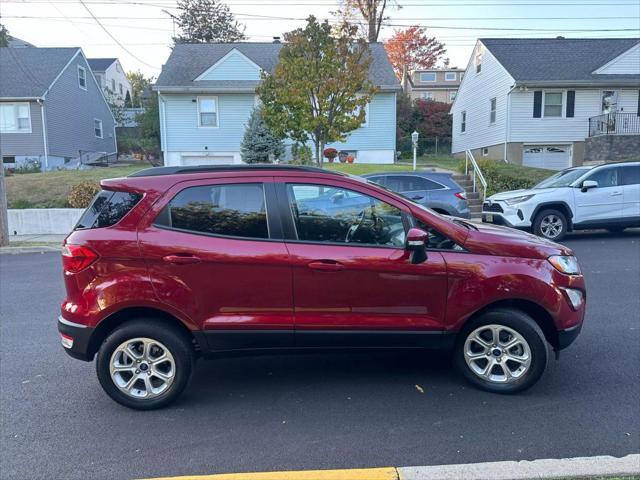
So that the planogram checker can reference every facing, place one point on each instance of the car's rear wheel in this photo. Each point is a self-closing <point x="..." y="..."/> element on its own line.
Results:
<point x="551" y="224"/>
<point x="502" y="351"/>
<point x="145" y="364"/>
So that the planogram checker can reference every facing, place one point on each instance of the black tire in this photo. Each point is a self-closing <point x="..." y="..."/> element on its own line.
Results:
<point x="540" y="228"/>
<point x="176" y="341"/>
<point x="527" y="328"/>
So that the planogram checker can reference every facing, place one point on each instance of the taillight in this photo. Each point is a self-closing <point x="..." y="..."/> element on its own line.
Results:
<point x="76" y="258"/>
<point x="460" y="195"/>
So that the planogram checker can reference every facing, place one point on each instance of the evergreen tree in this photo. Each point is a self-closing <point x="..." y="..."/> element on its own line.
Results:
<point x="206" y="21"/>
<point x="259" y="144"/>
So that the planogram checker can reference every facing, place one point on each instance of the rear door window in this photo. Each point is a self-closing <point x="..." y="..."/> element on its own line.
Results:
<point x="107" y="209"/>
<point x="410" y="183"/>
<point x="630" y="175"/>
<point x="236" y="210"/>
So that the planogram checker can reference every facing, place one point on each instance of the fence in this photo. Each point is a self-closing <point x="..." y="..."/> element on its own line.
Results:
<point x="426" y="146"/>
<point x="614" y="124"/>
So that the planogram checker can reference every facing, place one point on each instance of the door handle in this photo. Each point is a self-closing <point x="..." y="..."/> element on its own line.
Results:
<point x="615" y="194"/>
<point x="417" y="197"/>
<point x="326" y="265"/>
<point x="181" y="259"/>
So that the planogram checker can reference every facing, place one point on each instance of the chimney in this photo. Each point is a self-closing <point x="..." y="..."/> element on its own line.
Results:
<point x="276" y="39"/>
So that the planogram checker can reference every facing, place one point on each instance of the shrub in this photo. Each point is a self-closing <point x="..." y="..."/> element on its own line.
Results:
<point x="81" y="194"/>
<point x="31" y="166"/>
<point x="502" y="176"/>
<point x="330" y="153"/>
<point x="259" y="145"/>
<point x="21" y="203"/>
<point x="301" y="154"/>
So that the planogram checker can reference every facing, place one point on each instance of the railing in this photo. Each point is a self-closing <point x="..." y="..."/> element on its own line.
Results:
<point x="614" y="124"/>
<point x="476" y="173"/>
<point x="96" y="158"/>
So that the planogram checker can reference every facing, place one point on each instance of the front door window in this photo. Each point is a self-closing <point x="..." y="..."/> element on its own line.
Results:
<point x="609" y="101"/>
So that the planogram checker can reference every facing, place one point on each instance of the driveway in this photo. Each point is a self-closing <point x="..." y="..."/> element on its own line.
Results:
<point x="316" y="411"/>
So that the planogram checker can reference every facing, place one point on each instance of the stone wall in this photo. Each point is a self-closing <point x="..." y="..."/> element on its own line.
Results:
<point x="609" y="148"/>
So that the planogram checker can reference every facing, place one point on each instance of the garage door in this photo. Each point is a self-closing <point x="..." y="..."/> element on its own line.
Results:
<point x="552" y="157"/>
<point x="188" y="160"/>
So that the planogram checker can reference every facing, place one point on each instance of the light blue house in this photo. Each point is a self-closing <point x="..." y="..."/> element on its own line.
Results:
<point x="207" y="92"/>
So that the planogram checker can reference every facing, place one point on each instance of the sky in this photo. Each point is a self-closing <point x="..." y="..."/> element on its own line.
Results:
<point x="144" y="28"/>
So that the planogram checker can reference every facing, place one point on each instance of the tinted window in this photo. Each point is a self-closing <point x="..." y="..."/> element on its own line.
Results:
<point x="107" y="209"/>
<point x="410" y="183"/>
<point x="606" y="177"/>
<point x="338" y="215"/>
<point x="630" y="175"/>
<point x="437" y="240"/>
<point x="234" y="210"/>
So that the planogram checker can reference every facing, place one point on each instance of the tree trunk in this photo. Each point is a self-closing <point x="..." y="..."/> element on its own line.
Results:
<point x="4" y="223"/>
<point x="373" y="22"/>
<point x="318" y="156"/>
<point x="322" y="151"/>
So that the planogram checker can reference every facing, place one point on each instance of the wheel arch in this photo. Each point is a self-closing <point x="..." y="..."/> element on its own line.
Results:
<point x="113" y="321"/>
<point x="557" y="205"/>
<point x="538" y="313"/>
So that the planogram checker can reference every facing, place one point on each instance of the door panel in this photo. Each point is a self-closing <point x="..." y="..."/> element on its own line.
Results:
<point x="631" y="192"/>
<point x="346" y="292"/>
<point x="226" y="284"/>
<point x="602" y="203"/>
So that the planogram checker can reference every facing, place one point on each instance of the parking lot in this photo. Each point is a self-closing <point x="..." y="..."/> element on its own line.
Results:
<point x="317" y="411"/>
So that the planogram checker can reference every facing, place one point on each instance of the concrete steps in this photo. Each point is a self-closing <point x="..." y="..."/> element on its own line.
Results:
<point x="475" y="202"/>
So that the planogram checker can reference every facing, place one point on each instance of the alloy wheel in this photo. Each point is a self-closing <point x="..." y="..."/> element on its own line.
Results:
<point x="142" y="368"/>
<point x="497" y="354"/>
<point x="551" y="226"/>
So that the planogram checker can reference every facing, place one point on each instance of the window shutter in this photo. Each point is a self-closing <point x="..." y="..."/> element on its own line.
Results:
<point x="571" y="103"/>
<point x="537" y="104"/>
<point x="638" y="113"/>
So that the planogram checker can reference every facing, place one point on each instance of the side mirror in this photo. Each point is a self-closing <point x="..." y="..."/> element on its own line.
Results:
<point x="587" y="184"/>
<point x="417" y="245"/>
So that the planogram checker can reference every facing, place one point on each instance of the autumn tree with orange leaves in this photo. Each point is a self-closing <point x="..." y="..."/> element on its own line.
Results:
<point x="411" y="49"/>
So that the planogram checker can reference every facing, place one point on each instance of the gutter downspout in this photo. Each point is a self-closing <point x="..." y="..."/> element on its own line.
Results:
<point x="44" y="133"/>
<point x="507" y="125"/>
<point x="163" y="128"/>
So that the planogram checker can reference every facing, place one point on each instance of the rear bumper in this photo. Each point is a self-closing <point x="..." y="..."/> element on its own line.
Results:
<point x="79" y="335"/>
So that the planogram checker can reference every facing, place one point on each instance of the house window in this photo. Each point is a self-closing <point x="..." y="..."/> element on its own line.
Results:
<point x="553" y="104"/>
<point x="452" y="95"/>
<point x="450" y="77"/>
<point x="463" y="122"/>
<point x="492" y="113"/>
<point x="428" y="77"/>
<point x="97" y="128"/>
<point x="208" y="112"/>
<point x="485" y="151"/>
<point x="609" y="101"/>
<point x="10" y="160"/>
<point x="15" y="118"/>
<point x="427" y="95"/>
<point x="82" y="77"/>
<point x="113" y="85"/>
<point x="478" y="59"/>
<point x="120" y="89"/>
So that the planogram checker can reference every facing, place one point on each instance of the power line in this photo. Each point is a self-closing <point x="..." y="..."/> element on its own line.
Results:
<point x="114" y="38"/>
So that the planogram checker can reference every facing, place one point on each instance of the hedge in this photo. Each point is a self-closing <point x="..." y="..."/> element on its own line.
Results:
<point x="502" y="176"/>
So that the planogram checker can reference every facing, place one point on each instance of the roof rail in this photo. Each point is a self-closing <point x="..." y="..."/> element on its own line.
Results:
<point x="157" y="171"/>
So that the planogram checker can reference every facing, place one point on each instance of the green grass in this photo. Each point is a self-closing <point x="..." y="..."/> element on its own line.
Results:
<point x="50" y="189"/>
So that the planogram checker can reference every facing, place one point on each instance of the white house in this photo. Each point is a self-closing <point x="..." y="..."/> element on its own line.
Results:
<point x="550" y="103"/>
<point x="112" y="78"/>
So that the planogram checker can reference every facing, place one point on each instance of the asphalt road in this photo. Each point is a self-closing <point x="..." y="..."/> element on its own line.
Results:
<point x="316" y="411"/>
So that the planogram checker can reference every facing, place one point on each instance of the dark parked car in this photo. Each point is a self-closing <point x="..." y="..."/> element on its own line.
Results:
<point x="175" y="263"/>
<point x="435" y="190"/>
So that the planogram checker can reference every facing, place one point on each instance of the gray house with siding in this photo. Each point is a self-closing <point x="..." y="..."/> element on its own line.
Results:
<point x="52" y="110"/>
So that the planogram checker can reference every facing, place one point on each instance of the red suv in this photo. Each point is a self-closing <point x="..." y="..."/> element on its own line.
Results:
<point x="175" y="263"/>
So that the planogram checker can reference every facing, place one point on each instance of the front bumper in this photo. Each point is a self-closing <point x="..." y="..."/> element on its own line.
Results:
<point x="76" y="339"/>
<point x="499" y="213"/>
<point x="567" y="337"/>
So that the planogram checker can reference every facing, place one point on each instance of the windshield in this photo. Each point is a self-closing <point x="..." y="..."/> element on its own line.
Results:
<point x="562" y="179"/>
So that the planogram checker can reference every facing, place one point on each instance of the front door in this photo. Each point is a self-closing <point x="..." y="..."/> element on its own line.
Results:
<point x="353" y="281"/>
<point x="215" y="253"/>
<point x="600" y="204"/>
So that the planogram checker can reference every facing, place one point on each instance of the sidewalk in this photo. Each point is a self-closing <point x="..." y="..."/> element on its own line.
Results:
<point x="33" y="244"/>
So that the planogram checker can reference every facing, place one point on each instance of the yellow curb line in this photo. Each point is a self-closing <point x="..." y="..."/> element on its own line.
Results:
<point x="387" y="473"/>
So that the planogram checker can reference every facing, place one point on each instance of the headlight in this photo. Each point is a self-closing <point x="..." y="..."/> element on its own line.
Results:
<point x="516" y="200"/>
<point x="565" y="263"/>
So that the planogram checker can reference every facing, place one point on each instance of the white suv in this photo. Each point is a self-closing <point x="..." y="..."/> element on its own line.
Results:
<point x="604" y="196"/>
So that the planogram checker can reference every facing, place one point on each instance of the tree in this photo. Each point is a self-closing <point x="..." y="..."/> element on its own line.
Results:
<point x="204" y="21"/>
<point x="259" y="145"/>
<point x="320" y="87"/>
<point x="430" y="119"/>
<point x="147" y="137"/>
<point x="411" y="49"/>
<point x="138" y="84"/>
<point x="368" y="14"/>
<point x="4" y="36"/>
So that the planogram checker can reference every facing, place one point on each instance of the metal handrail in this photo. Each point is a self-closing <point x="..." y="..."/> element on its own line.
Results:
<point x="476" y="172"/>
<point x="614" y="124"/>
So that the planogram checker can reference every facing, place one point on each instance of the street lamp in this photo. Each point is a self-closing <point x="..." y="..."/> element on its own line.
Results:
<point x="414" y="141"/>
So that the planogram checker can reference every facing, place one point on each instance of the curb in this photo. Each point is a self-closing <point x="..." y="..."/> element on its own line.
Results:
<point x="579" y="467"/>
<point x="35" y="249"/>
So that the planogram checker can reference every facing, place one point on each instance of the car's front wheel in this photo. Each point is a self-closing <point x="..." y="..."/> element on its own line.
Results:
<point x="502" y="351"/>
<point x="145" y="364"/>
<point x="551" y="224"/>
